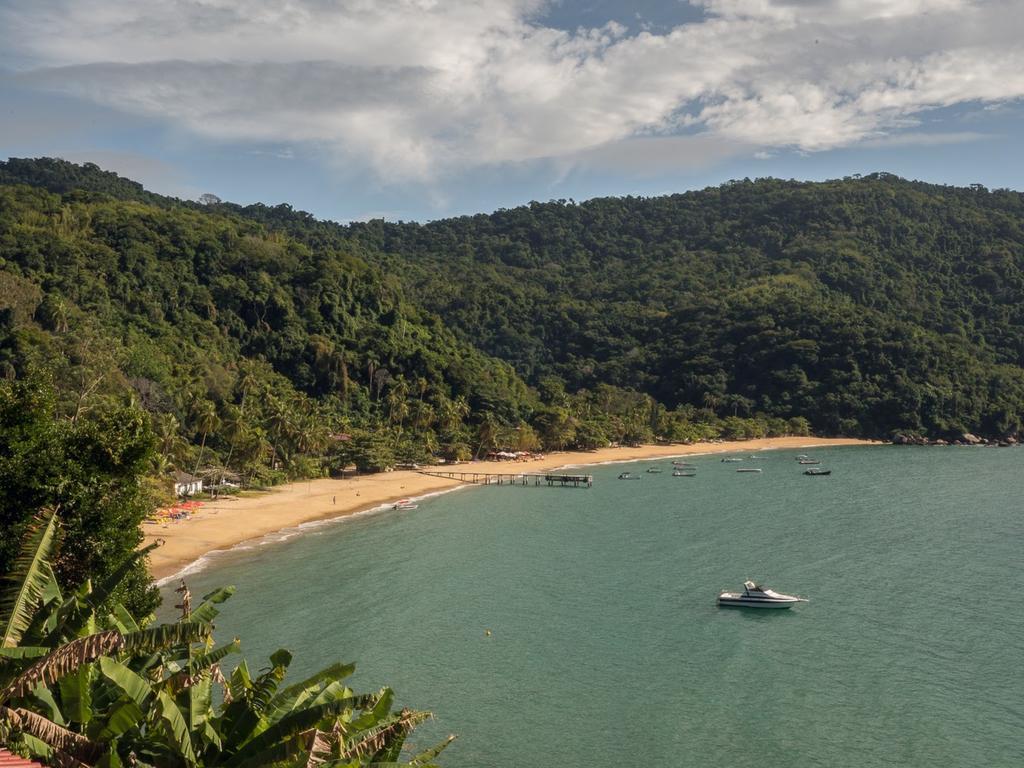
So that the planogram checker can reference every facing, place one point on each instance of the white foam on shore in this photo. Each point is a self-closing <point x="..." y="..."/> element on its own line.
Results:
<point x="276" y="537"/>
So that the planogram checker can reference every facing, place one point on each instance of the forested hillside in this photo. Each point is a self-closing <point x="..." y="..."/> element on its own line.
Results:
<point x="867" y="305"/>
<point x="243" y="343"/>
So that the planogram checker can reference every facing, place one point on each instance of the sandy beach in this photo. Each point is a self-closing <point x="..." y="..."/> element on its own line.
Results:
<point x="229" y="521"/>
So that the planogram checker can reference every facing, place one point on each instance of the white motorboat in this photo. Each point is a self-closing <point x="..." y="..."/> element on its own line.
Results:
<point x="653" y="470"/>
<point x="731" y="460"/>
<point x="684" y="473"/>
<point x="754" y="596"/>
<point x="628" y="476"/>
<point x="749" y="470"/>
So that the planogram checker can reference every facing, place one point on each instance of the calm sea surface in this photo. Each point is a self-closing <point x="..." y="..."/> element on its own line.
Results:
<point x="607" y="648"/>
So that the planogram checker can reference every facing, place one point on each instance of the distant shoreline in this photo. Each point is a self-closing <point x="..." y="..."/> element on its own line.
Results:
<point x="226" y="523"/>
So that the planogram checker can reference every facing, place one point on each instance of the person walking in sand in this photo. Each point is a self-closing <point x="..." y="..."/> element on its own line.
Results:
<point x="334" y="499"/>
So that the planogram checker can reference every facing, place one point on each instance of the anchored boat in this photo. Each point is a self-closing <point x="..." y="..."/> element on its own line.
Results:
<point x="813" y="471"/>
<point x="754" y="596"/>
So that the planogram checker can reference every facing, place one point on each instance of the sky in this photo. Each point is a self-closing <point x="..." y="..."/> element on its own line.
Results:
<point x="423" y="109"/>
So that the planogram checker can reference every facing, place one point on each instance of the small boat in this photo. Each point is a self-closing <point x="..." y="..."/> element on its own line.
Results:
<point x="681" y="473"/>
<point x="628" y="476"/>
<point x="754" y="596"/>
<point x="749" y="470"/>
<point x="653" y="470"/>
<point x="756" y="458"/>
<point x="405" y="504"/>
<point x="682" y="464"/>
<point x="802" y="456"/>
<point x="730" y="459"/>
<point x="817" y="471"/>
<point x="809" y="461"/>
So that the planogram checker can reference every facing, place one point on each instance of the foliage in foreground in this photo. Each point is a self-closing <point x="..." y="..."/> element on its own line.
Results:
<point x="92" y="466"/>
<point x="81" y="686"/>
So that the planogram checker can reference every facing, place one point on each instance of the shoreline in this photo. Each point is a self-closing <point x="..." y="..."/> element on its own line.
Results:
<point x="231" y="522"/>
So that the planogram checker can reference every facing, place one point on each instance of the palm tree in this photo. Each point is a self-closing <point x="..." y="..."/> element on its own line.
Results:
<point x="205" y="416"/>
<point x="487" y="432"/>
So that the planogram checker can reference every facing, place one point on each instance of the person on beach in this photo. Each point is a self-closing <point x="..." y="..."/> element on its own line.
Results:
<point x="334" y="499"/>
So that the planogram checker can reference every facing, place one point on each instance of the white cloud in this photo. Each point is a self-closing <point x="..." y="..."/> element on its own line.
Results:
<point x="415" y="88"/>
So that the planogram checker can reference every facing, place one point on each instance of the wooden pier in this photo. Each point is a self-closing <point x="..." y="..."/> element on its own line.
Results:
<point x="519" y="478"/>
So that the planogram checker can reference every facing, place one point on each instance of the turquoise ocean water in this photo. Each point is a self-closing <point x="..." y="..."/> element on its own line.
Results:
<point x="607" y="648"/>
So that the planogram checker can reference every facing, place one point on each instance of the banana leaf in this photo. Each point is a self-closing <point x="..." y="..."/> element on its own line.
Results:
<point x="267" y="747"/>
<point x="23" y="652"/>
<point x="244" y="715"/>
<point x="120" y="619"/>
<point x="165" y="636"/>
<point x="122" y="718"/>
<point x="46" y="704"/>
<point x="57" y="736"/>
<point x="175" y="726"/>
<point x="384" y="740"/>
<point x="65" y="660"/>
<point x="293" y="695"/>
<point x="207" y="610"/>
<point x="134" y="686"/>
<point x="423" y="758"/>
<point x="23" y="588"/>
<point x="76" y="694"/>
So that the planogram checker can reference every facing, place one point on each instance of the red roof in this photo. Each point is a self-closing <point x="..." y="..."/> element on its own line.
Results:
<point x="7" y="760"/>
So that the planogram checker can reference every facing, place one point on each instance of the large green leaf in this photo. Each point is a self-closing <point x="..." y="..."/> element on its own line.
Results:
<point x="122" y="620"/>
<point x="28" y="580"/>
<point x="199" y="697"/>
<point x="76" y="695"/>
<point x="24" y="652"/>
<point x="176" y="727"/>
<point x="427" y="755"/>
<point x="134" y="686"/>
<point x="123" y="717"/>
<point x="165" y="636"/>
<point x="289" y="698"/>
<point x="277" y="741"/>
<point x="207" y="610"/>
<point x="244" y="715"/>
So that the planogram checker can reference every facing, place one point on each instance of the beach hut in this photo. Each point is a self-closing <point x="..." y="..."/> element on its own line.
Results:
<point x="186" y="484"/>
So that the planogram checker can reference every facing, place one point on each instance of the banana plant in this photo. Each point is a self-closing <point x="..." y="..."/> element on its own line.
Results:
<point x="83" y="683"/>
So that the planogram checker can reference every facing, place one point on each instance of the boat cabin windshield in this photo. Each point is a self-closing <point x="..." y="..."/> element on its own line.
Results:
<point x="752" y="586"/>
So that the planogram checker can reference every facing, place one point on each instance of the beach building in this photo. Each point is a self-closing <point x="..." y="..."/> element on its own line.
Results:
<point x="186" y="484"/>
<point x="10" y="760"/>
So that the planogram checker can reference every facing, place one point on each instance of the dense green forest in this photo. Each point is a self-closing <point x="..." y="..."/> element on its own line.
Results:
<point x="142" y="335"/>
<point x="867" y="305"/>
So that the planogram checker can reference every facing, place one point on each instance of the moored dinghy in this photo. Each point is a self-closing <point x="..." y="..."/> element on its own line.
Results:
<point x="754" y="596"/>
